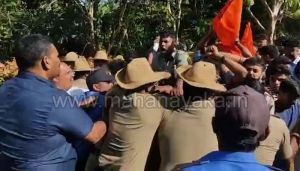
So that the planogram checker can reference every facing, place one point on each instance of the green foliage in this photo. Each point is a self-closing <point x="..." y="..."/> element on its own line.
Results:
<point x="68" y="24"/>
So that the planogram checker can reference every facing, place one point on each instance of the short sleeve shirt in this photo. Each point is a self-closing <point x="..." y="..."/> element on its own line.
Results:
<point x="161" y="63"/>
<point x="277" y="141"/>
<point x="291" y="115"/>
<point x="35" y="120"/>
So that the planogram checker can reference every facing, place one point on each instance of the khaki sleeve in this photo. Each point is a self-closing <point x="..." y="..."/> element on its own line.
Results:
<point x="285" y="143"/>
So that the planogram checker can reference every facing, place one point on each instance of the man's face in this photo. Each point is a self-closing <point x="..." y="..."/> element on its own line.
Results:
<point x="103" y="86"/>
<point x="167" y="44"/>
<point x="261" y="43"/>
<point x="53" y="62"/>
<point x="65" y="79"/>
<point x="255" y="72"/>
<point x="275" y="81"/>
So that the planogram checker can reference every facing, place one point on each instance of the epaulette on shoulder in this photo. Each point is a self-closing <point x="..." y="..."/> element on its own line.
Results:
<point x="187" y="165"/>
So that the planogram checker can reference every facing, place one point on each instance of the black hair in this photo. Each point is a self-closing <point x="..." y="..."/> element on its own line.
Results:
<point x="80" y="74"/>
<point x="115" y="65"/>
<point x="278" y="70"/>
<point x="281" y="60"/>
<point x="291" y="43"/>
<point x="254" y="61"/>
<point x="31" y="49"/>
<point x="165" y="34"/>
<point x="270" y="50"/>
<point x="195" y="93"/>
<point x="261" y="37"/>
<point x="130" y="55"/>
<point x="291" y="87"/>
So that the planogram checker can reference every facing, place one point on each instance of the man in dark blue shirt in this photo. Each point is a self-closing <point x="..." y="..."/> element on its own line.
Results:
<point x="36" y="118"/>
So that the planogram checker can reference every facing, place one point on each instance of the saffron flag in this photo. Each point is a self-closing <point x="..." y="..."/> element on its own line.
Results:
<point x="226" y="25"/>
<point x="247" y="39"/>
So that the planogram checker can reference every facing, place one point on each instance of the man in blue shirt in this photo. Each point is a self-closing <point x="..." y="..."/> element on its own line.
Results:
<point x="240" y="122"/>
<point x="36" y="118"/>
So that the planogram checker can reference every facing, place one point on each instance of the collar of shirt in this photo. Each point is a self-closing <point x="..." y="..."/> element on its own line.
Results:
<point x="245" y="157"/>
<point x="296" y="60"/>
<point x="32" y="76"/>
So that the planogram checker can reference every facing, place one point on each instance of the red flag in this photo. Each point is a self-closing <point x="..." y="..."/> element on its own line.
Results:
<point x="247" y="39"/>
<point x="227" y="23"/>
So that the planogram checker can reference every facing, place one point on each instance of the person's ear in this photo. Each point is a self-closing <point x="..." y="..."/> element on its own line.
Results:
<point x="265" y="136"/>
<point x="96" y="87"/>
<point x="55" y="79"/>
<point x="46" y="63"/>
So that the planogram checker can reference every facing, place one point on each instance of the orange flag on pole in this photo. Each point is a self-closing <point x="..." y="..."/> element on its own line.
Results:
<point x="247" y="39"/>
<point x="227" y="23"/>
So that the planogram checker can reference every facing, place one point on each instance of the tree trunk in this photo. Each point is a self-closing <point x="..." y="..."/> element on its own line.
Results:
<point x="124" y="33"/>
<point x="123" y="6"/>
<point x="273" y="14"/>
<point x="178" y="19"/>
<point x="90" y="17"/>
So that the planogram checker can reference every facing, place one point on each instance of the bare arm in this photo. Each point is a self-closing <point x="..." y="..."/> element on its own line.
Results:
<point x="232" y="65"/>
<point x="97" y="132"/>
<point x="236" y="58"/>
<point x="150" y="58"/>
<point x="244" y="49"/>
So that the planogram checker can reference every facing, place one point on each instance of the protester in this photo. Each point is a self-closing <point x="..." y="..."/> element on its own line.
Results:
<point x="287" y="104"/>
<point x="186" y="134"/>
<point x="246" y="111"/>
<point x="37" y="138"/>
<point x="268" y="53"/>
<point x="154" y="49"/>
<point x="278" y="74"/>
<point x="168" y="59"/>
<point x="134" y="116"/>
<point x="261" y="40"/>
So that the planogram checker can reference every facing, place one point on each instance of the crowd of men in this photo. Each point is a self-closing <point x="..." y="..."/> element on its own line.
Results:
<point x="167" y="111"/>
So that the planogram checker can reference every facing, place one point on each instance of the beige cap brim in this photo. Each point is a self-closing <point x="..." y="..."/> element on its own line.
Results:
<point x="212" y="86"/>
<point x="157" y="76"/>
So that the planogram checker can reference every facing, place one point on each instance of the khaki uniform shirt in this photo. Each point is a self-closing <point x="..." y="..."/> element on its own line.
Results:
<point x="277" y="141"/>
<point x="186" y="134"/>
<point x="133" y="121"/>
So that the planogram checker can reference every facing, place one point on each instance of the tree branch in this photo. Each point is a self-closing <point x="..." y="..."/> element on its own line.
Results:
<point x="255" y="19"/>
<point x="266" y="5"/>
